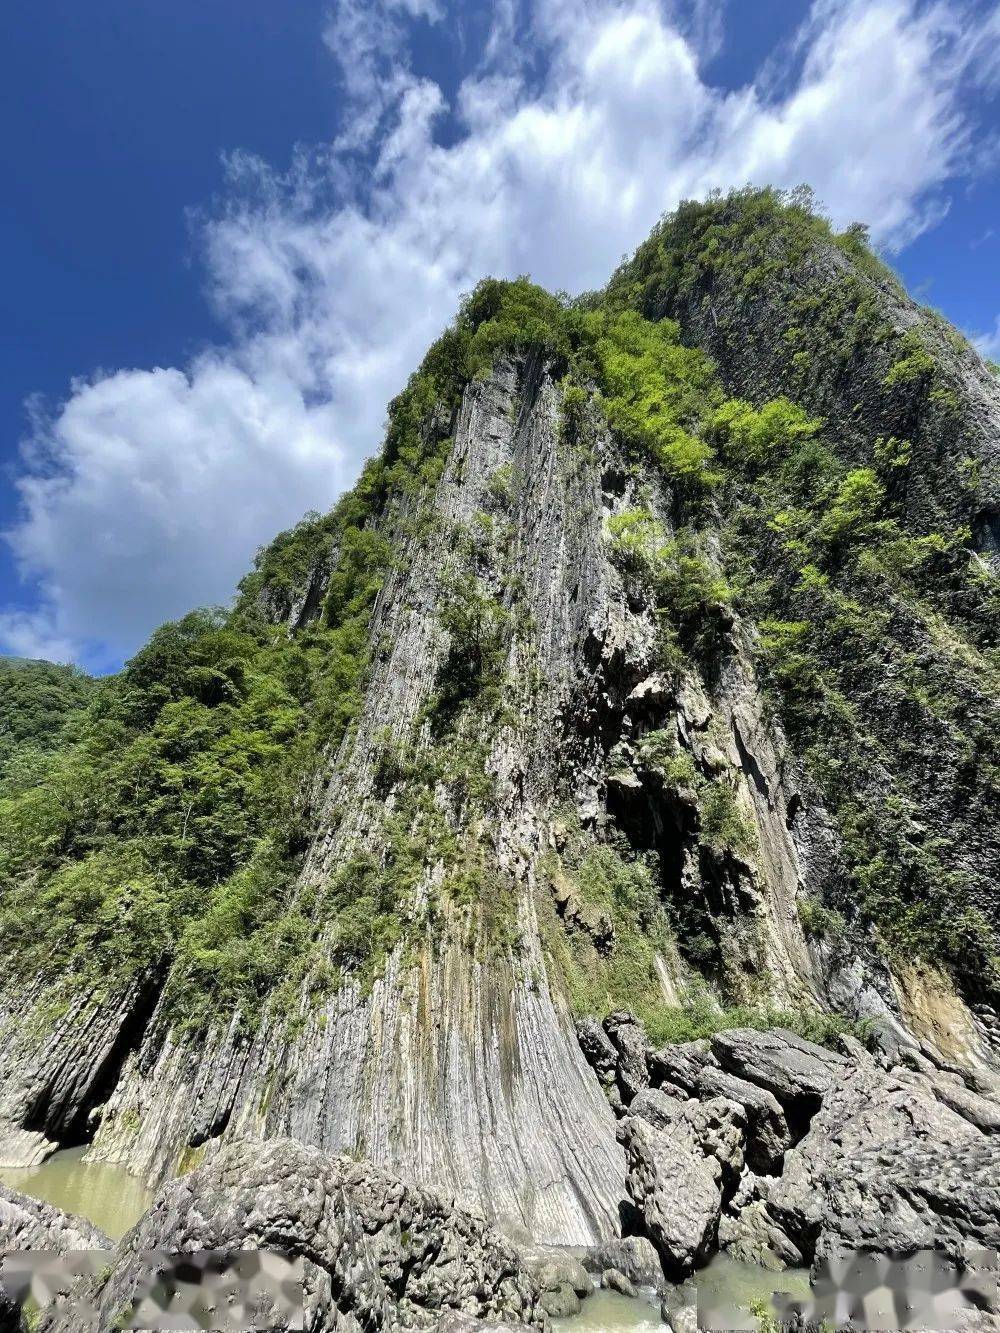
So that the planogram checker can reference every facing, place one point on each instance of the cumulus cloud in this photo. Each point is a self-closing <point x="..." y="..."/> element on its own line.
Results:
<point x="147" y="491"/>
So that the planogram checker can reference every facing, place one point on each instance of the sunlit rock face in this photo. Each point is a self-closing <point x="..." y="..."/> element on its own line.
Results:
<point x="672" y="700"/>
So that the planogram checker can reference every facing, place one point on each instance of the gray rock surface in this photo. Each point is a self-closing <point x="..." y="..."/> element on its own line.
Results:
<point x="796" y="1071"/>
<point x="613" y="1280"/>
<point x="886" y="1166"/>
<point x="30" y="1224"/>
<point x="380" y="1255"/>
<point x="675" y="1188"/>
<point x="634" y="1256"/>
<point x="561" y="1277"/>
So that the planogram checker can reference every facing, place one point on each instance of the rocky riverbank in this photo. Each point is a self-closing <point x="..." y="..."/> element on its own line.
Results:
<point x="782" y="1152"/>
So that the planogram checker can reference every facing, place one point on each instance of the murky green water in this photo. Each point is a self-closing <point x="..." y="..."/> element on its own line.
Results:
<point x="114" y="1200"/>
<point x="607" y="1312"/>
<point x="108" y="1196"/>
<point x="725" y="1287"/>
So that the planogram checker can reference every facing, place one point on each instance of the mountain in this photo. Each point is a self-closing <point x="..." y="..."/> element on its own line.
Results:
<point x="652" y="667"/>
<point x="37" y="700"/>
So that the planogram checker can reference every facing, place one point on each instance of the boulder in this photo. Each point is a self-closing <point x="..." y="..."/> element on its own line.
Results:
<point x="613" y="1280"/>
<point x="768" y="1135"/>
<point x="597" y="1049"/>
<point x="796" y="1071"/>
<point x="379" y="1254"/>
<point x="656" y="1106"/>
<point x="628" y="1037"/>
<point x="561" y="1277"/>
<point x="692" y="1067"/>
<point x="30" y="1224"/>
<point x="886" y="1166"/>
<point x="680" y="1065"/>
<point x="634" y="1256"/>
<point x="749" y="1233"/>
<point x="676" y="1190"/>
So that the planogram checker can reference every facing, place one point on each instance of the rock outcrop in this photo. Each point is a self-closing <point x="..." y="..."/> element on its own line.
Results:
<point x="30" y="1224"/>
<point x="880" y="1157"/>
<point x="378" y="1254"/>
<point x="600" y="693"/>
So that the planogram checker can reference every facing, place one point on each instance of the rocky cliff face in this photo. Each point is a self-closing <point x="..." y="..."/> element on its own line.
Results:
<point x="663" y="700"/>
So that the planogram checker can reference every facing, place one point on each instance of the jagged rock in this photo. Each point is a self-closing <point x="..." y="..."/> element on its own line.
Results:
<point x="768" y="1135"/>
<point x="690" y="1069"/>
<point x="30" y="1224"/>
<point x="561" y="1277"/>
<point x="950" y="1087"/>
<point x="633" y="1256"/>
<point x="380" y="1254"/>
<point x="628" y="1037"/>
<point x="596" y="1046"/>
<point x="720" y="1130"/>
<point x="680" y="1065"/>
<point x="51" y="1084"/>
<point x="675" y="1189"/>
<point x="796" y="1071"/>
<point x="656" y="1105"/>
<point x="886" y="1166"/>
<point x="748" y="1232"/>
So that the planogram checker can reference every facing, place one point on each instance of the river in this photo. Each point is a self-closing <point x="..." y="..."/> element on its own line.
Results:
<point x="114" y="1200"/>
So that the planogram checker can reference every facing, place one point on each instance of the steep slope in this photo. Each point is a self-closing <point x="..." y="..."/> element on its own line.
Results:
<point x="602" y="690"/>
<point x="37" y="700"/>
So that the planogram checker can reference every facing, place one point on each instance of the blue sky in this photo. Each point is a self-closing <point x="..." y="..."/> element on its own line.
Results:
<point x="230" y="231"/>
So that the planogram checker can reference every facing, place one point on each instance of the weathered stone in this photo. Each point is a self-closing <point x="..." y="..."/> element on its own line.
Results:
<point x="628" y="1037"/>
<point x="768" y="1135"/>
<point x="656" y="1106"/>
<point x="30" y="1224"/>
<point x="596" y="1046"/>
<point x="675" y="1188"/>
<point x="379" y="1254"/>
<point x="680" y="1065"/>
<point x="613" y="1280"/>
<point x="634" y="1256"/>
<point x="561" y="1277"/>
<point x="796" y="1071"/>
<point x="886" y="1166"/>
<point x="748" y="1232"/>
<point x="720" y="1130"/>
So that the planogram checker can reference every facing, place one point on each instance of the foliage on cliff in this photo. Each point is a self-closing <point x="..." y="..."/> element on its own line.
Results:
<point x="164" y="831"/>
<point x="37" y="702"/>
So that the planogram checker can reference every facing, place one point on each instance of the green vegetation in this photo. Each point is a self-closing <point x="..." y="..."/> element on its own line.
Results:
<point x="702" y="1015"/>
<point x="38" y="700"/>
<point x="689" y="594"/>
<point x="821" y="558"/>
<point x="165" y="835"/>
<point x="915" y="362"/>
<point x="722" y="825"/>
<point x="611" y="963"/>
<point x="155" y="824"/>
<point x="655" y="393"/>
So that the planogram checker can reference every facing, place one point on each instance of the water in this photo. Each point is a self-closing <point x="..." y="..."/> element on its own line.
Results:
<point x="725" y="1286"/>
<point x="114" y="1200"/>
<point x="606" y="1311"/>
<point x="109" y="1196"/>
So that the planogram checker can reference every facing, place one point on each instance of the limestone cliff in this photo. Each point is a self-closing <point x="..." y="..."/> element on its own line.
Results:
<point x="617" y="692"/>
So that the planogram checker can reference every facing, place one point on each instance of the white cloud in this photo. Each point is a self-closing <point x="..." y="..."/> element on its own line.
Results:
<point x="988" y="344"/>
<point x="147" y="492"/>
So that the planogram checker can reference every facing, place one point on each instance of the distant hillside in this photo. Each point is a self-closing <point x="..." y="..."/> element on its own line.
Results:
<point x="36" y="699"/>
